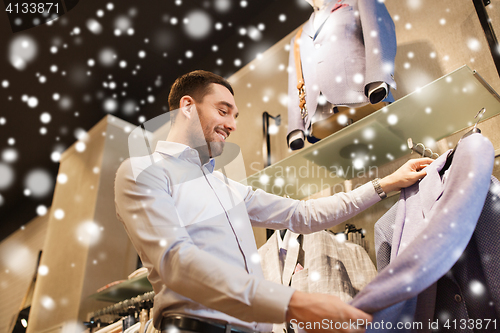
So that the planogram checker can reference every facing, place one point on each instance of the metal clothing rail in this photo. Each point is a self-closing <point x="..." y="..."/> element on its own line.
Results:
<point x="123" y="305"/>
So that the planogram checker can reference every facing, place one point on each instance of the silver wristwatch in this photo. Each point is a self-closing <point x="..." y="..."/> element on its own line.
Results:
<point x="378" y="188"/>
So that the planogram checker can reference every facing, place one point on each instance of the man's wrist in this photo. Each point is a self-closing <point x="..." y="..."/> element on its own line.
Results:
<point x="378" y="188"/>
<point x="387" y="185"/>
<point x="289" y="309"/>
<point x="296" y="302"/>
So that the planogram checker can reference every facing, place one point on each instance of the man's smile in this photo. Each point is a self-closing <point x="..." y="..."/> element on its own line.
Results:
<point x="223" y="134"/>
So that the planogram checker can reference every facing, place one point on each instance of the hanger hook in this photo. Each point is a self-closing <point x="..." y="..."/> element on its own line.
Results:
<point x="479" y="115"/>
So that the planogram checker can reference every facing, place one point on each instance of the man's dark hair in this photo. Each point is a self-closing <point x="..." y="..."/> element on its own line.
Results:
<point x="195" y="84"/>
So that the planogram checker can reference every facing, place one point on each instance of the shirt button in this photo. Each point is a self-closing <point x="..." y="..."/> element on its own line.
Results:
<point x="458" y="298"/>
<point x="317" y="46"/>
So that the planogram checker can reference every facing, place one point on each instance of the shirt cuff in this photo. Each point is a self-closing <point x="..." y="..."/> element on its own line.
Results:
<point x="271" y="302"/>
<point x="365" y="195"/>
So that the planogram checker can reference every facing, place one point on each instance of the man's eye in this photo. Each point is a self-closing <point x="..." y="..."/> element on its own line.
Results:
<point x="223" y="112"/>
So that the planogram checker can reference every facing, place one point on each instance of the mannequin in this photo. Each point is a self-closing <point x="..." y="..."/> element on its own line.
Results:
<point x="347" y="51"/>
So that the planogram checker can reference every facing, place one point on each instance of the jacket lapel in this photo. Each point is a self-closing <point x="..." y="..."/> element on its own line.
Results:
<point x="270" y="261"/>
<point x="320" y="17"/>
<point x="308" y="28"/>
<point x="291" y="257"/>
<point x="409" y="221"/>
<point x="432" y="185"/>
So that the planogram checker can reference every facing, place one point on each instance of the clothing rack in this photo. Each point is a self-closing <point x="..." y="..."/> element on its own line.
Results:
<point x="123" y="306"/>
<point x="351" y="228"/>
<point x="353" y="235"/>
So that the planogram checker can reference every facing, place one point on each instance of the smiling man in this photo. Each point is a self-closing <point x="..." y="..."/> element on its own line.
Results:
<point x="192" y="226"/>
<point x="203" y="99"/>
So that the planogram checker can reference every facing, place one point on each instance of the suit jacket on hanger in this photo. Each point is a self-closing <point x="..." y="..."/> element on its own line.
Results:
<point x="329" y="266"/>
<point x="471" y="288"/>
<point x="466" y="290"/>
<point x="426" y="232"/>
<point x="355" y="46"/>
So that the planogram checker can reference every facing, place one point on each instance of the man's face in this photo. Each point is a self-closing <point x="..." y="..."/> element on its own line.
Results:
<point x="217" y="113"/>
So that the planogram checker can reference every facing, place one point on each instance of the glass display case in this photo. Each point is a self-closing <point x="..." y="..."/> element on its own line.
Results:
<point x="427" y="115"/>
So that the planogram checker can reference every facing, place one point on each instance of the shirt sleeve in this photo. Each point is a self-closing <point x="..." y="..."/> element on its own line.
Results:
<point x="159" y="236"/>
<point x="307" y="216"/>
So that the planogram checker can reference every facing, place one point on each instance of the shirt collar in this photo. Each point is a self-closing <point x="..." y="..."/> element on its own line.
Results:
<point x="183" y="152"/>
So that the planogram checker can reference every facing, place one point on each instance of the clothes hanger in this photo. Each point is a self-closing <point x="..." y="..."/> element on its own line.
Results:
<point x="449" y="159"/>
<point x="419" y="148"/>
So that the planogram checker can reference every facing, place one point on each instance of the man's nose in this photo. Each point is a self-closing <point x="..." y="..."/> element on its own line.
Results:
<point x="231" y="124"/>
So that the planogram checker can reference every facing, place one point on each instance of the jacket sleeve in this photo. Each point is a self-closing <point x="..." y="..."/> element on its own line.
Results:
<point x="447" y="230"/>
<point x="379" y="36"/>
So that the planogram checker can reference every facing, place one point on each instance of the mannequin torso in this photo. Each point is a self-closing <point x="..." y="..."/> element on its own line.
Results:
<point x="331" y="58"/>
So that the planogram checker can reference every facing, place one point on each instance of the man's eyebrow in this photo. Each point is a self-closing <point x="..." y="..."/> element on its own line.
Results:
<point x="230" y="106"/>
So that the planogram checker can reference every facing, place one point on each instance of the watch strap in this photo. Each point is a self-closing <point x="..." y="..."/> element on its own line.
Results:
<point x="378" y="188"/>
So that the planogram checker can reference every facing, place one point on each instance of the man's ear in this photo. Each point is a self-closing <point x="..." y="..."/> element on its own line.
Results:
<point x="186" y="105"/>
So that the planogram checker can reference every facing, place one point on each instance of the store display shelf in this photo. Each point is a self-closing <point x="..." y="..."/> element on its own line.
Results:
<point x="427" y="115"/>
<point x="125" y="290"/>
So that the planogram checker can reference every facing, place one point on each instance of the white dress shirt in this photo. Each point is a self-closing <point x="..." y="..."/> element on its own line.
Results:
<point x="192" y="228"/>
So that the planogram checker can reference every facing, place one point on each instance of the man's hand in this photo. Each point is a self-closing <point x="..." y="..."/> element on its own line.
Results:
<point x="324" y="310"/>
<point x="406" y="175"/>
